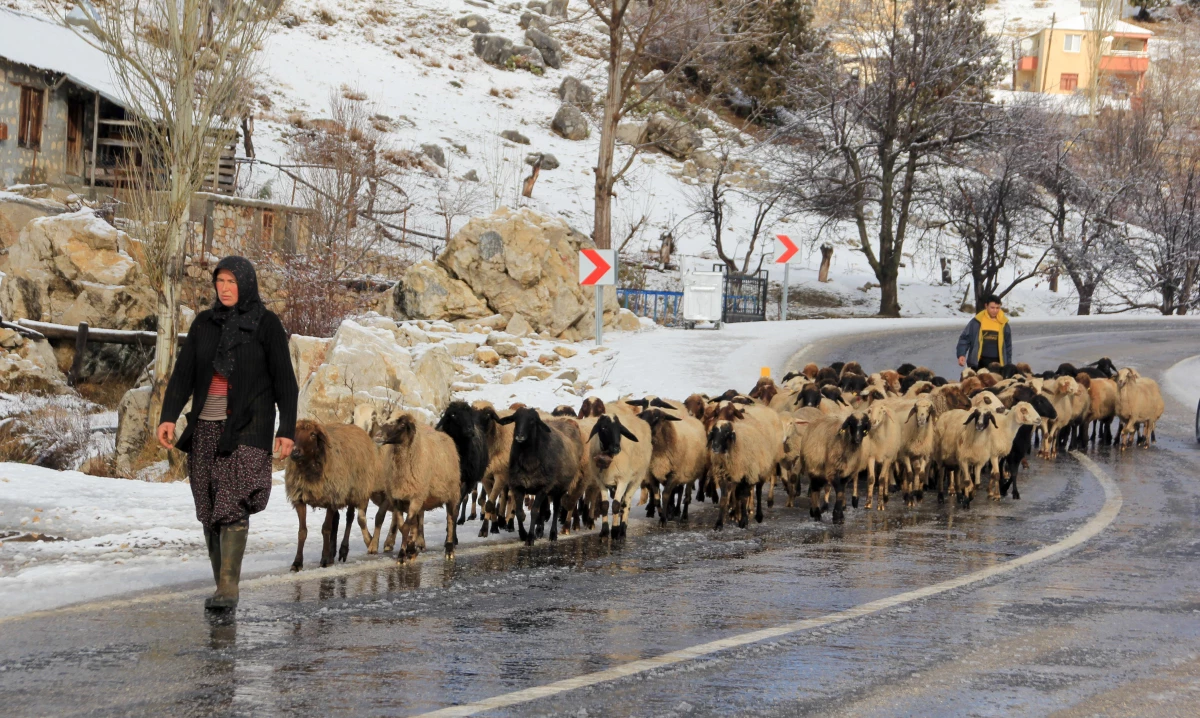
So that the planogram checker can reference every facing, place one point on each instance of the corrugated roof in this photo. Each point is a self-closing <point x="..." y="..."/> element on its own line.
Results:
<point x="31" y="41"/>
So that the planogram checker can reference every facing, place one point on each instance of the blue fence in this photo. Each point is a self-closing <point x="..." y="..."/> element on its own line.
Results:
<point x="662" y="307"/>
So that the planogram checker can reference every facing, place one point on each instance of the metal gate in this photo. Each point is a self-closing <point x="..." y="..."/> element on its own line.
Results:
<point x="745" y="296"/>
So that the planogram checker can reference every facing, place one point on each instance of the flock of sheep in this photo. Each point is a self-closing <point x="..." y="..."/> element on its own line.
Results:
<point x="835" y="425"/>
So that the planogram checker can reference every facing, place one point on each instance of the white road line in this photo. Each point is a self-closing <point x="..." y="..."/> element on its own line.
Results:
<point x="1097" y="524"/>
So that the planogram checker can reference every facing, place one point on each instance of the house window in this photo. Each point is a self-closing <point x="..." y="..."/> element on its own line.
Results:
<point x="29" y="127"/>
<point x="1072" y="43"/>
<point x="1068" y="82"/>
<point x="268" y="225"/>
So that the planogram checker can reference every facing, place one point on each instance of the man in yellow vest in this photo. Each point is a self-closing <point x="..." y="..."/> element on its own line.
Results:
<point x="987" y="338"/>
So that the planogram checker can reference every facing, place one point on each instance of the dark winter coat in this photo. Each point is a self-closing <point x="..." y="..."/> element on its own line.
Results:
<point x="262" y="377"/>
<point x="970" y="342"/>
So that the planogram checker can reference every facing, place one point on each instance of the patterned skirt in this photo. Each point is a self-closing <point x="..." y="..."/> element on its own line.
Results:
<point x="227" y="489"/>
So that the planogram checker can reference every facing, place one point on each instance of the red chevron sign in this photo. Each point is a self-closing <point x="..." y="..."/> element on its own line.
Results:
<point x="785" y="249"/>
<point x="596" y="267"/>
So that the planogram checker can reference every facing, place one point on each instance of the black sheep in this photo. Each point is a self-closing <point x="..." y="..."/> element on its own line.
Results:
<point x="809" y="395"/>
<point x="1022" y="445"/>
<point x="544" y="461"/>
<point x="905" y="369"/>
<point x="463" y="423"/>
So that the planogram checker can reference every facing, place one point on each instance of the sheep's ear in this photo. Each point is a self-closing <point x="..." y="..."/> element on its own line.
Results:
<point x="506" y="419"/>
<point x="595" y="430"/>
<point x="659" y="403"/>
<point x="671" y="417"/>
<point x="971" y="417"/>
<point x="992" y="418"/>
<point x="841" y="400"/>
<point x="912" y="413"/>
<point x="641" y="403"/>
<point x="626" y="432"/>
<point x="321" y="439"/>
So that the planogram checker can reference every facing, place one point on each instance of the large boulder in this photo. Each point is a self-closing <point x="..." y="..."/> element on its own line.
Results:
<point x="367" y="375"/>
<point x="16" y="212"/>
<point x="675" y="137"/>
<point x="74" y="268"/>
<point x="307" y="353"/>
<point x="429" y="292"/>
<point x="550" y="48"/>
<point x="475" y="23"/>
<point x="529" y="19"/>
<point x="573" y="91"/>
<point x="493" y="49"/>
<point x="528" y="57"/>
<point x="28" y="365"/>
<point x="524" y="263"/>
<point x="557" y="8"/>
<point x="570" y="123"/>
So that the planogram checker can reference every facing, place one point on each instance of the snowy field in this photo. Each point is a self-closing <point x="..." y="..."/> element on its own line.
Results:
<point x="115" y="536"/>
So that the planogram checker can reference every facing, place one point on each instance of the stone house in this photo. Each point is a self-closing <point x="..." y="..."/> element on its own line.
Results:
<point x="224" y="225"/>
<point x="62" y="120"/>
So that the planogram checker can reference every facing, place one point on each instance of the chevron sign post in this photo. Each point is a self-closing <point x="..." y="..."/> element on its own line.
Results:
<point x="598" y="268"/>
<point x="785" y="250"/>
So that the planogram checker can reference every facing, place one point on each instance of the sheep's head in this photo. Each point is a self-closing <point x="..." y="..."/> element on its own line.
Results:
<point x="564" y="410"/>
<point x="400" y="432"/>
<point x="310" y="442"/>
<point x="695" y="406"/>
<point x="923" y="411"/>
<point x="608" y="432"/>
<point x="1026" y="414"/>
<point x="457" y="417"/>
<point x="1043" y="406"/>
<point x="592" y="407"/>
<point x="981" y="418"/>
<point x="657" y="417"/>
<point x="1105" y="365"/>
<point x="1127" y="376"/>
<point x="984" y="399"/>
<point x="877" y="414"/>
<point x="527" y="424"/>
<point x="854" y="428"/>
<point x="810" y="395"/>
<point x="853" y="382"/>
<point x="765" y="390"/>
<point x="721" y="437"/>
<point x="833" y="394"/>
<point x="810" y="370"/>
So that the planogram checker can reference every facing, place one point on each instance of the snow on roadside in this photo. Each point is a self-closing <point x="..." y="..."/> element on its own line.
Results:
<point x="1182" y="381"/>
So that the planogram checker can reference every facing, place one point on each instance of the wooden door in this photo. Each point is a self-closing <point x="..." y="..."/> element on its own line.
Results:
<point x="75" y="119"/>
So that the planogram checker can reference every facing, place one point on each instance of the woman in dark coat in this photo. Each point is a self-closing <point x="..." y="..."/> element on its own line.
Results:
<point x="235" y="367"/>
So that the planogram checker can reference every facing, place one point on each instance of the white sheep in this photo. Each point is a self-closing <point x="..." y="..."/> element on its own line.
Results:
<point x="1139" y="404"/>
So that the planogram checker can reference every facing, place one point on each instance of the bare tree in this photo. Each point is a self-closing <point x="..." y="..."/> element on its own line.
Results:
<point x="1101" y="18"/>
<point x="456" y="198"/>
<point x="913" y="94"/>
<point x="667" y="35"/>
<point x="184" y="68"/>
<point x="990" y="204"/>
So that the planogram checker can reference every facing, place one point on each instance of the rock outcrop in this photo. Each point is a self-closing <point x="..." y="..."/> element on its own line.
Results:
<point x="523" y="263"/>
<point x="28" y="365"/>
<point x="16" y="212"/>
<point x="574" y="91"/>
<point x="475" y="23"/>
<point x="493" y="49"/>
<point x="674" y="137"/>
<point x="428" y="292"/>
<point x="550" y="48"/>
<point x="74" y="268"/>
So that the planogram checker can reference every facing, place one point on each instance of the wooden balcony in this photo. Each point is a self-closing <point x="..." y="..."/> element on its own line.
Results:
<point x="1029" y="62"/>
<point x="1125" y="61"/>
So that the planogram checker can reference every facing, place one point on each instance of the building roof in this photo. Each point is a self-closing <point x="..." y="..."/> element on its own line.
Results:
<point x="31" y="41"/>
<point x="1083" y="23"/>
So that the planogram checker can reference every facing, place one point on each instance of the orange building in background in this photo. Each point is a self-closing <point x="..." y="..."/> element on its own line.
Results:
<point x="1060" y="59"/>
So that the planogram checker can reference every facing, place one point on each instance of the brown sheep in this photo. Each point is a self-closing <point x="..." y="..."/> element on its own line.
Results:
<point x="764" y="390"/>
<point x="495" y="477"/>
<point x="949" y="397"/>
<point x="891" y="379"/>
<point x="332" y="467"/>
<point x="422" y="474"/>
<point x="1139" y="403"/>
<point x="679" y="457"/>
<point x="810" y="370"/>
<point x="592" y="407"/>
<point x="694" y="405"/>
<point x="1104" y="408"/>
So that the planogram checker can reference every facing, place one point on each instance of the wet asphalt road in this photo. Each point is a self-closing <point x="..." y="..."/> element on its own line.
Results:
<point x="1111" y="628"/>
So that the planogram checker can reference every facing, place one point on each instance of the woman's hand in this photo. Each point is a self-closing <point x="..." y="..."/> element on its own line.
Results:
<point x="283" y="447"/>
<point x="962" y="361"/>
<point x="166" y="434"/>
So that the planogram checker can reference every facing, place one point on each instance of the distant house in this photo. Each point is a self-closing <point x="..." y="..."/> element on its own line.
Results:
<point x="1058" y="59"/>
<point x="62" y="119"/>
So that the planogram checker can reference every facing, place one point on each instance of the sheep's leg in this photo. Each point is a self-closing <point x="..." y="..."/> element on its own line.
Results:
<point x="687" y="501"/>
<point x="668" y="509"/>
<point x="604" y="529"/>
<point x="854" y="494"/>
<point x="421" y="530"/>
<point x="758" y="512"/>
<point x="518" y="506"/>
<point x="361" y="514"/>
<point x="1150" y="435"/>
<point x="771" y="488"/>
<point x="380" y="515"/>
<point x="301" y="535"/>
<point x="871" y="477"/>
<point x="328" y="536"/>
<point x="460" y="510"/>
<point x="723" y="507"/>
<point x="393" y="529"/>
<point x="885" y="479"/>
<point x="344" y="551"/>
<point x="839" y="502"/>
<point x="474" y="499"/>
<point x="994" y="484"/>
<point x="815" y="485"/>
<point x="451" y="532"/>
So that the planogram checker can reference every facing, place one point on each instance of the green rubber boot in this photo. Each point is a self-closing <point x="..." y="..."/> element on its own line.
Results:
<point x="233" y="547"/>
<point x="212" y="539"/>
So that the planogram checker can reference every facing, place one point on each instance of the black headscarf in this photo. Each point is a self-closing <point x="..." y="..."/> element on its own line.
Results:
<point x="239" y="322"/>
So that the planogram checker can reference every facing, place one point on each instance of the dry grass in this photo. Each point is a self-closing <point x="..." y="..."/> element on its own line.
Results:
<point x="106" y="393"/>
<point x="324" y="17"/>
<point x="53" y="432"/>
